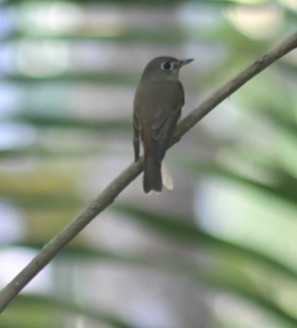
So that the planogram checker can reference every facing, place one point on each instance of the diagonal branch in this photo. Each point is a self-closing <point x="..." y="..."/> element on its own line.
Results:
<point x="108" y="195"/>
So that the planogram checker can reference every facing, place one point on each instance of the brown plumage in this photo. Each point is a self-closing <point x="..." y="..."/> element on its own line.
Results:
<point x="158" y="102"/>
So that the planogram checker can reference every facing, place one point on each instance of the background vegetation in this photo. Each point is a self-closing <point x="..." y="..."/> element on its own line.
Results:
<point x="219" y="250"/>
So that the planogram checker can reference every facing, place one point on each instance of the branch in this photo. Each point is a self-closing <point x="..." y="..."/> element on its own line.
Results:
<point x="109" y="194"/>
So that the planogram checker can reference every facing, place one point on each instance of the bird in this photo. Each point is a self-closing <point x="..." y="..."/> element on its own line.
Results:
<point x="158" y="101"/>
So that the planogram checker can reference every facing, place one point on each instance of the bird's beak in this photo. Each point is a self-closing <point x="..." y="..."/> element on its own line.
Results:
<point x="186" y="61"/>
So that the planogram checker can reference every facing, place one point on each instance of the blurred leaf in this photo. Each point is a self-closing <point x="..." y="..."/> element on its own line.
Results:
<point x="189" y="234"/>
<point x="215" y="279"/>
<point x="64" y="122"/>
<point x="55" y="305"/>
<point x="177" y="228"/>
<point x="285" y="187"/>
<point x="169" y="36"/>
<point x="140" y="3"/>
<point x="72" y="77"/>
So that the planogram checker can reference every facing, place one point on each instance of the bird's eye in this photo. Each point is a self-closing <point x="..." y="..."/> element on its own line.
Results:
<point x="166" y="66"/>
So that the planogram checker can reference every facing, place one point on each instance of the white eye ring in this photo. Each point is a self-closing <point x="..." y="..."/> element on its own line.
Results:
<point x="167" y="66"/>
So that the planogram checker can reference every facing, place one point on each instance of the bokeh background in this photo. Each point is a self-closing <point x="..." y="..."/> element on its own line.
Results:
<point x="220" y="250"/>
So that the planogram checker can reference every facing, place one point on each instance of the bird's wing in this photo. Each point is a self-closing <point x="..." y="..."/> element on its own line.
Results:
<point x="166" y="117"/>
<point x="136" y="135"/>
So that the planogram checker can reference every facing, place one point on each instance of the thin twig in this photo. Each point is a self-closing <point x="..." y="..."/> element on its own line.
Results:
<point x="108" y="196"/>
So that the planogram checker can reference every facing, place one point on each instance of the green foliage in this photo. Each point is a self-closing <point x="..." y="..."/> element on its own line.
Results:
<point x="44" y="177"/>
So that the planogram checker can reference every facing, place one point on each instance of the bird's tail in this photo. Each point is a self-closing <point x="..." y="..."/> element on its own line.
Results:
<point x="155" y="176"/>
<point x="152" y="177"/>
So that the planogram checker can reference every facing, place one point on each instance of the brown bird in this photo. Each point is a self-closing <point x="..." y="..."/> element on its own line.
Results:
<point x="158" y="102"/>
